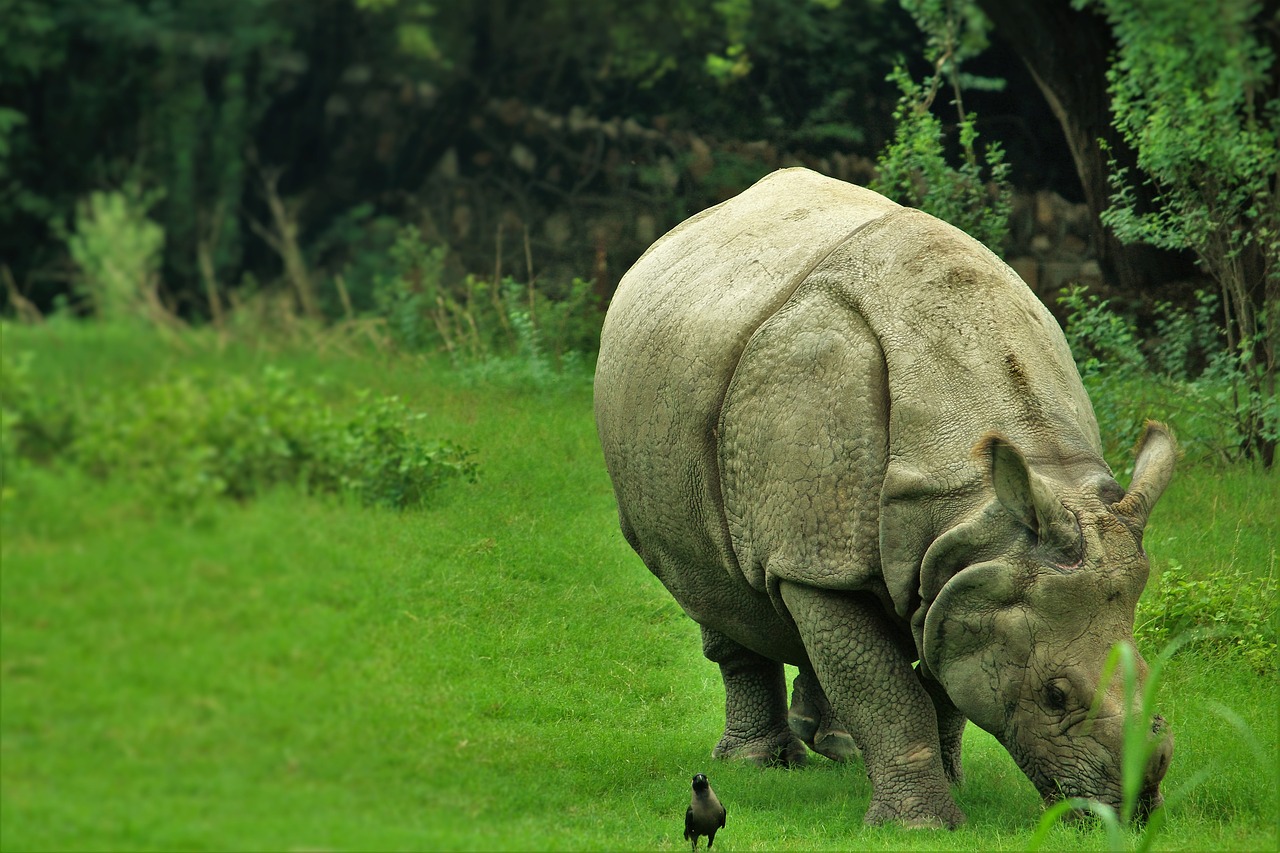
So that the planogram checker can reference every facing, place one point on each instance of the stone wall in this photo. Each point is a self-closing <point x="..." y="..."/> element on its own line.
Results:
<point x="578" y="195"/>
<point x="1051" y="244"/>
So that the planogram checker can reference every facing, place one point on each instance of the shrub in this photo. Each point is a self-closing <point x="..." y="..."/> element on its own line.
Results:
<point x="356" y="249"/>
<point x="197" y="437"/>
<point x="1101" y="339"/>
<point x="520" y="332"/>
<point x="1185" y="376"/>
<point x="1187" y="340"/>
<point x="117" y="249"/>
<point x="412" y="300"/>
<point x="1192" y="93"/>
<point x="913" y="169"/>
<point x="33" y="425"/>
<point x="1222" y="612"/>
<point x="380" y="459"/>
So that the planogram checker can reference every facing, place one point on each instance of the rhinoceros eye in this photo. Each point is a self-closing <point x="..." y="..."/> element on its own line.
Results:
<point x="1055" y="697"/>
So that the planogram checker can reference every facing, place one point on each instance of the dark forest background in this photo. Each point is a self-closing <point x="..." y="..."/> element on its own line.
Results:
<point x="431" y="166"/>
<point x="585" y="128"/>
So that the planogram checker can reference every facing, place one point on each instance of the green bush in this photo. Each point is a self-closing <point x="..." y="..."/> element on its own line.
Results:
<point x="534" y="333"/>
<point x="1224" y="612"/>
<point x="1183" y="375"/>
<point x="196" y="437"/>
<point x="914" y="167"/>
<point x="1101" y="339"/>
<point x="117" y="249"/>
<point x="355" y="249"/>
<point x="33" y="426"/>
<point x="379" y="457"/>
<point x="1192" y="92"/>
<point x="1187" y="338"/>
<point x="412" y="299"/>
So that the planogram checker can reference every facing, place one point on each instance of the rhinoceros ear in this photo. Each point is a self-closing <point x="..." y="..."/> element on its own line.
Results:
<point x="1030" y="499"/>
<point x="976" y="640"/>
<point x="1157" y="455"/>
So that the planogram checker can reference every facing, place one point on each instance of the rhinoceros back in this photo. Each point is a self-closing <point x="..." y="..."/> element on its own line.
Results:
<point x="674" y="334"/>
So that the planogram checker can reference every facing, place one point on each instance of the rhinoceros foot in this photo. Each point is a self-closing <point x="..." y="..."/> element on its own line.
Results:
<point x="811" y="719"/>
<point x="834" y="743"/>
<point x="776" y="749"/>
<point x="914" y="812"/>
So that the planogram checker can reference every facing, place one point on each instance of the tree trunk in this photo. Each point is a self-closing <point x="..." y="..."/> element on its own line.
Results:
<point x="1067" y="53"/>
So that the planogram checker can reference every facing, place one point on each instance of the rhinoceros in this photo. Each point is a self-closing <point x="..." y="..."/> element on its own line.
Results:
<point x="845" y="436"/>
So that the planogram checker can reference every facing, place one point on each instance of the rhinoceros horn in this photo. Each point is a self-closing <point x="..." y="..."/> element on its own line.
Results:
<point x="1156" y="455"/>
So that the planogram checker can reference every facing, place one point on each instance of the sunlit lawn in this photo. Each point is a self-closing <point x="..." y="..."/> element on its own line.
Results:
<point x="497" y="670"/>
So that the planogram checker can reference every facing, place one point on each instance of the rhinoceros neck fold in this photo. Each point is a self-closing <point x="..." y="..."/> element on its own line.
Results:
<point x="968" y="348"/>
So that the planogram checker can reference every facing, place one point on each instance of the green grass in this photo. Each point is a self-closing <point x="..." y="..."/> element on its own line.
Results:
<point x="495" y="671"/>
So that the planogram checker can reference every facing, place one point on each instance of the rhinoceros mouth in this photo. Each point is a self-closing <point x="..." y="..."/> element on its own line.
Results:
<point x="1148" y="802"/>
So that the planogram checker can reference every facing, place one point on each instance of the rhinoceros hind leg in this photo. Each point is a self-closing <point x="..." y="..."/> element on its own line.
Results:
<point x="755" y="705"/>
<point x="950" y="728"/>
<point x="813" y="721"/>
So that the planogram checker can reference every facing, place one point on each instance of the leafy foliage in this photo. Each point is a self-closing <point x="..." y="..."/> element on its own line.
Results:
<point x="1185" y="376"/>
<point x="532" y="332"/>
<point x="1192" y="94"/>
<point x="33" y="426"/>
<point x="774" y="68"/>
<point x="166" y="93"/>
<point x="1226" y="611"/>
<point x="955" y="31"/>
<point x="30" y="44"/>
<point x="117" y="248"/>
<point x="914" y="168"/>
<point x="1100" y="338"/>
<point x="358" y="103"/>
<point x="410" y="297"/>
<point x="197" y="437"/>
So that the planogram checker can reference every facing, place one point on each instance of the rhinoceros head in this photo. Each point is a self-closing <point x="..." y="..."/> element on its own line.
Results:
<point x="1039" y="590"/>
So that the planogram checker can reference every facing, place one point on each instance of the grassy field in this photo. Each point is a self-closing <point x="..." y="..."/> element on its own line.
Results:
<point x="496" y="670"/>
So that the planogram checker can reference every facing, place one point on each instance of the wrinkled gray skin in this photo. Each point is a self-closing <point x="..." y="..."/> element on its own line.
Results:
<point x="847" y="437"/>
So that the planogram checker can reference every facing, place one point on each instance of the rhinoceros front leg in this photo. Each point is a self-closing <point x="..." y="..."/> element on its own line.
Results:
<point x="869" y="680"/>
<point x="813" y="720"/>
<point x="950" y="727"/>
<point x="755" y="705"/>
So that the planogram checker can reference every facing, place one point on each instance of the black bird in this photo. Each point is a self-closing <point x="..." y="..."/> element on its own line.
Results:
<point x="705" y="814"/>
